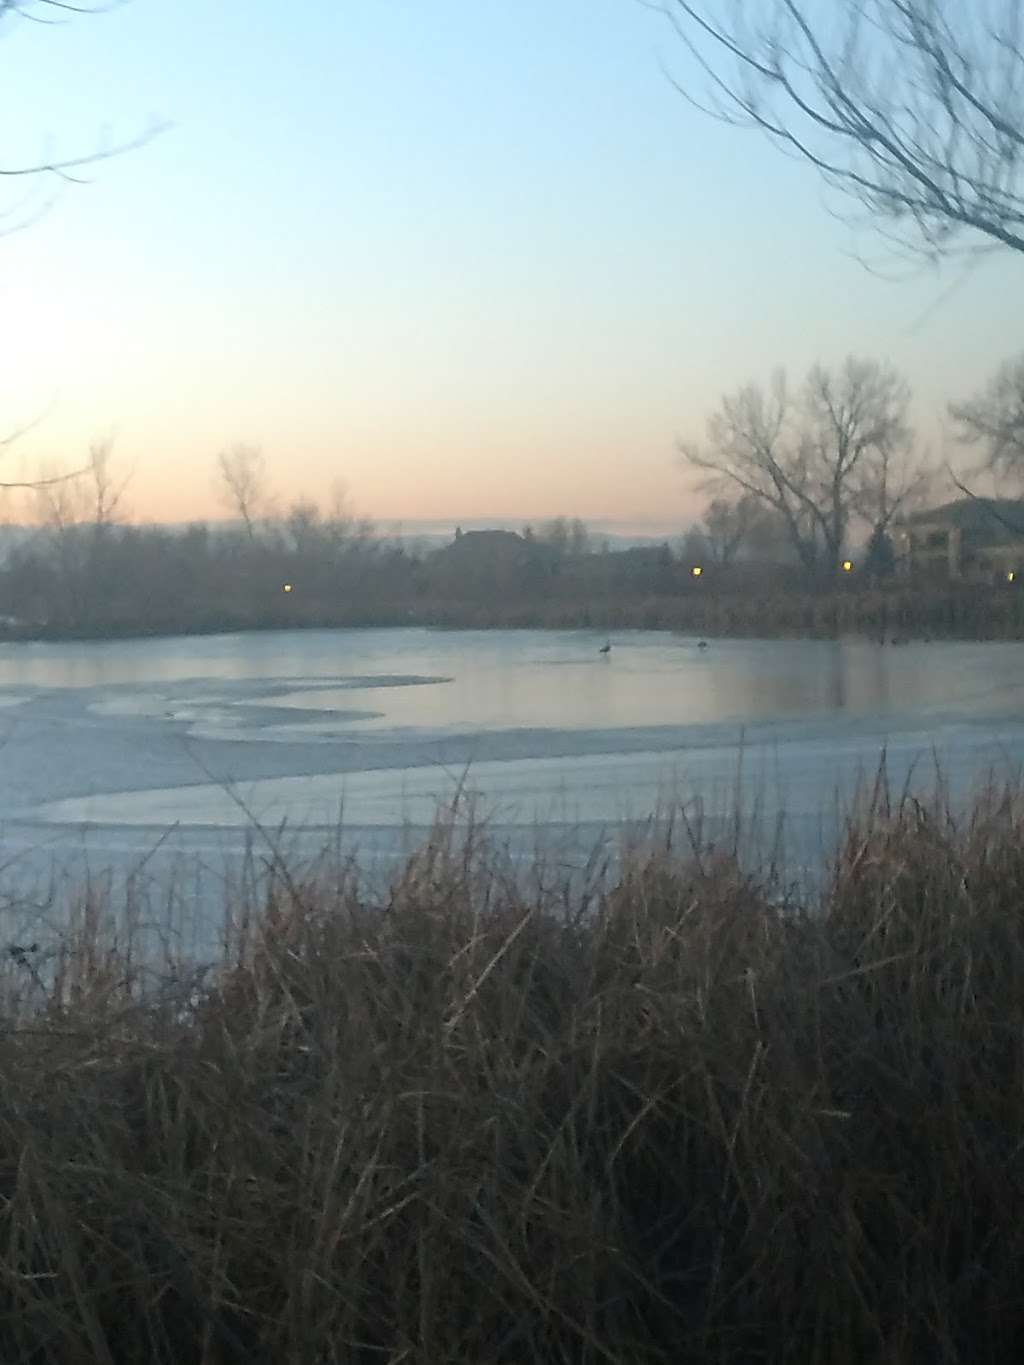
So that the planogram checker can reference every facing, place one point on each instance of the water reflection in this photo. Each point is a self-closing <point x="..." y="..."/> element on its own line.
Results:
<point x="554" y="680"/>
<point x="837" y="677"/>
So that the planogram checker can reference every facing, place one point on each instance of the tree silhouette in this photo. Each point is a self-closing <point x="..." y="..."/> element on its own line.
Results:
<point x="912" y="108"/>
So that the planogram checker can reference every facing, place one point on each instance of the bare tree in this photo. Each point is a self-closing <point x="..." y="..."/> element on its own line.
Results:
<point x="341" y="521"/>
<point x="839" y="454"/>
<point x="89" y="497"/>
<point x="568" y="538"/>
<point x="305" y="528"/>
<point x="106" y="491"/>
<point x="858" y="446"/>
<point x="731" y="523"/>
<point x="749" y="448"/>
<point x="58" y="501"/>
<point x="994" y="420"/>
<point x="913" y="108"/>
<point x="242" y="476"/>
<point x="893" y="484"/>
<point x="76" y="514"/>
<point x="60" y="505"/>
<point x="694" y="547"/>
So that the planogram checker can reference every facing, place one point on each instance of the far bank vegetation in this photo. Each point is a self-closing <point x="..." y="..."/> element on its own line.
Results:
<point x="807" y="487"/>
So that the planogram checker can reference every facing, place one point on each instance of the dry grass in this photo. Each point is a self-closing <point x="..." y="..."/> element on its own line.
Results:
<point x="897" y="610"/>
<point x="667" y="1119"/>
<point x="733" y="605"/>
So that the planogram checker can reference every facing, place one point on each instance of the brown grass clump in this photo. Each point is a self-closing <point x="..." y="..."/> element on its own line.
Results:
<point x="663" y="1118"/>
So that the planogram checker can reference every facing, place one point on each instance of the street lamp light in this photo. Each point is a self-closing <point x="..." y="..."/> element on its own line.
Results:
<point x="847" y="566"/>
<point x="286" y="587"/>
<point x="696" y="571"/>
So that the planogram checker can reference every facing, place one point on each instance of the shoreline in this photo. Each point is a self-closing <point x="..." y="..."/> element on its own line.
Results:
<point x="893" y="615"/>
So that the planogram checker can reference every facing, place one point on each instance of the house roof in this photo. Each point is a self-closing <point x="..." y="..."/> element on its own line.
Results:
<point x="486" y="546"/>
<point x="1000" y="518"/>
<point x="496" y="537"/>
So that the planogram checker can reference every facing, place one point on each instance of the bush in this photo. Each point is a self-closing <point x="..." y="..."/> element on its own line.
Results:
<point x="657" y="1116"/>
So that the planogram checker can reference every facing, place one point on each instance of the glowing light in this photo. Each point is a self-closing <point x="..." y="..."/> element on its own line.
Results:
<point x="847" y="565"/>
<point x="696" y="571"/>
<point x="1010" y="576"/>
<point x="287" y="587"/>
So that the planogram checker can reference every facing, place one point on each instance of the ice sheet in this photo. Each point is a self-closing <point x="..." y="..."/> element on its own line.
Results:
<point x="377" y="727"/>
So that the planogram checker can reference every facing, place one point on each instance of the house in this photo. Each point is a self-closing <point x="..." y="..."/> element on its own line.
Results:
<point x="485" y="564"/>
<point x="971" y="538"/>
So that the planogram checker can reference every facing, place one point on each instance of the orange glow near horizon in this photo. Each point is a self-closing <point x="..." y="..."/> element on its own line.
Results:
<point x="432" y="327"/>
<point x="388" y="476"/>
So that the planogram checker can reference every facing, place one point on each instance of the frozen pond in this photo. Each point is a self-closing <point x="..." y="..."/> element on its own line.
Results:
<point x="108" y="750"/>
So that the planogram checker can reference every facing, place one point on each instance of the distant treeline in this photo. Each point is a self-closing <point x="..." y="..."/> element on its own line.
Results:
<point x="100" y="578"/>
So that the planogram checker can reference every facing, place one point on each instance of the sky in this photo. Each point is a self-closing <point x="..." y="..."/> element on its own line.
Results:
<point x="467" y="258"/>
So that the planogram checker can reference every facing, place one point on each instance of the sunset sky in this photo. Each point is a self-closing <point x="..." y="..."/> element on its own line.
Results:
<point x="470" y="257"/>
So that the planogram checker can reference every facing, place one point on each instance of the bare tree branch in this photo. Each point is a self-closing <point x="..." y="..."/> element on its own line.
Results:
<point x="912" y="108"/>
<point x="9" y="439"/>
<point x="27" y="9"/>
<point x="64" y="168"/>
<point x="50" y="481"/>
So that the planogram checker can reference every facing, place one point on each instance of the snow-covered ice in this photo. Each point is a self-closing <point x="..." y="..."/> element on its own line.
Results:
<point x="107" y="750"/>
